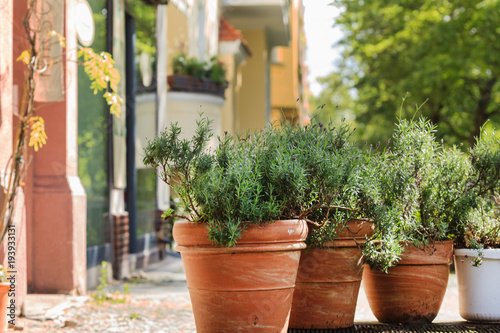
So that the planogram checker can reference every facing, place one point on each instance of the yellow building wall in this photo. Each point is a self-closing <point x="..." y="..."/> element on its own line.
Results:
<point x="253" y="99"/>
<point x="230" y="106"/>
<point x="285" y="85"/>
<point x="282" y="79"/>
<point x="177" y="32"/>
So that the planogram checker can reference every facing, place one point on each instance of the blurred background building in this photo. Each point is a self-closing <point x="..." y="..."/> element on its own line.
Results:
<point x="88" y="197"/>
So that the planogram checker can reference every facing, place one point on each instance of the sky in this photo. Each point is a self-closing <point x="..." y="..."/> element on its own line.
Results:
<point x="319" y="18"/>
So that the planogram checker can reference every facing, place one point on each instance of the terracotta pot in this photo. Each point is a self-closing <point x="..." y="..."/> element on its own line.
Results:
<point x="328" y="281"/>
<point x="246" y="288"/>
<point x="412" y="291"/>
<point x="4" y="303"/>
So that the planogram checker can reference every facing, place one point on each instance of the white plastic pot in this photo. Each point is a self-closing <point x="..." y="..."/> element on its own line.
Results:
<point x="478" y="287"/>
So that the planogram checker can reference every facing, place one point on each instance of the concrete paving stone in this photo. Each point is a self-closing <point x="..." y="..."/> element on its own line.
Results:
<point x="36" y="305"/>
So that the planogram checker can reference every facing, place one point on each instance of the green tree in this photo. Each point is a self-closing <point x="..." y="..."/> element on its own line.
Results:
<point x="443" y="53"/>
<point x="334" y="101"/>
<point x="145" y="25"/>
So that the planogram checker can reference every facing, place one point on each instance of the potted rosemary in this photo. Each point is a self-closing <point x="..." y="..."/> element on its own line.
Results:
<point x="336" y="203"/>
<point x="423" y="200"/>
<point x="477" y="253"/>
<point x="239" y="247"/>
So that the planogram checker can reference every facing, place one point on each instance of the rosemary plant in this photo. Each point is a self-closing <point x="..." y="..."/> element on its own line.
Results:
<point x="428" y="193"/>
<point x="335" y="181"/>
<point x="226" y="189"/>
<point x="481" y="229"/>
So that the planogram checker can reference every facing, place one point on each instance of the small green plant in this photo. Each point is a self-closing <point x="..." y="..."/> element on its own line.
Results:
<point x="100" y="295"/>
<point x="126" y="289"/>
<point x="192" y="66"/>
<point x="3" y="276"/>
<point x="134" y="315"/>
<point x="103" y="294"/>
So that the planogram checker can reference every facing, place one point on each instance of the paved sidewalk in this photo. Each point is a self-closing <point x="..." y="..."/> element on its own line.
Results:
<point x="158" y="302"/>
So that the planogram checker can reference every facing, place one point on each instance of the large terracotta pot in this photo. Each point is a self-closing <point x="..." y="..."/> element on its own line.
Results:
<point x="478" y="287"/>
<point x="328" y="281"/>
<point x="412" y="291"/>
<point x="246" y="288"/>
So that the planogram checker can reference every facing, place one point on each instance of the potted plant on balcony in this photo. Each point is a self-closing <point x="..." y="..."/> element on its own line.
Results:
<point x="336" y="203"/>
<point x="477" y="253"/>
<point x="240" y="267"/>
<point x="194" y="75"/>
<point x="423" y="201"/>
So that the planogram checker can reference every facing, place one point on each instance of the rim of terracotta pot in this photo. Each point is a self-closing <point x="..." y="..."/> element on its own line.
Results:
<point x="359" y="228"/>
<point x="280" y="235"/>
<point x="487" y="253"/>
<point x="439" y="253"/>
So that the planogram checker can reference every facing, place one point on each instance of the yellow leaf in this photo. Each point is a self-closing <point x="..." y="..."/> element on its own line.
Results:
<point x="38" y="137"/>
<point x="61" y="39"/>
<point x="24" y="57"/>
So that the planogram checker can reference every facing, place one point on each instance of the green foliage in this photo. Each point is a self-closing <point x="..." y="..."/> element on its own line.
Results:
<point x="135" y="315"/>
<point x="331" y="183"/>
<point x="175" y="160"/>
<point x="335" y="100"/>
<point x="485" y="158"/>
<point x="482" y="226"/>
<point x="282" y="172"/>
<point x="232" y="191"/>
<point x="414" y="189"/>
<point x="443" y="51"/>
<point x="100" y="295"/>
<point x="103" y="295"/>
<point x="428" y="193"/>
<point x="145" y="26"/>
<point x="167" y="214"/>
<point x="223" y="189"/>
<point x="126" y="289"/>
<point x="183" y="65"/>
<point x="3" y="276"/>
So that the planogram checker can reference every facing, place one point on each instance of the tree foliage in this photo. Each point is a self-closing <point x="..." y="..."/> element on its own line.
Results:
<point x="439" y="51"/>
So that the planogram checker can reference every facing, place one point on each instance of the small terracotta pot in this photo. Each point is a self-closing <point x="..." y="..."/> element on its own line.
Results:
<point x="4" y="303"/>
<point x="412" y="291"/>
<point x="246" y="288"/>
<point x="328" y="281"/>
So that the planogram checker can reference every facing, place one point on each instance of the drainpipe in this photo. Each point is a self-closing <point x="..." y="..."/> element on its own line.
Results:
<point x="109" y="48"/>
<point x="131" y="191"/>
<point x="162" y="189"/>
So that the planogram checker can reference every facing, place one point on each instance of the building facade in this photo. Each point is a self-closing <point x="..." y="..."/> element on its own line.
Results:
<point x="87" y="197"/>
